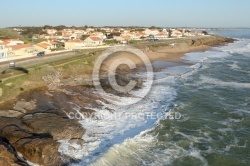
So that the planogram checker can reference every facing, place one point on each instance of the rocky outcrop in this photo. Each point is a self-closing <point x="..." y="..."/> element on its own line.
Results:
<point x="24" y="106"/>
<point x="58" y="127"/>
<point x="20" y="108"/>
<point x="34" y="126"/>
<point x="212" y="41"/>
<point x="9" y="157"/>
<point x="37" y="148"/>
<point x="6" y="158"/>
<point x="10" y="113"/>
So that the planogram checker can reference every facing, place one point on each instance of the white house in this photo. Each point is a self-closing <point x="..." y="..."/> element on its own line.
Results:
<point x="3" y="51"/>
<point x="98" y="34"/>
<point x="21" y="49"/>
<point x="93" y="41"/>
<point x="151" y="31"/>
<point x="74" y="44"/>
<point x="161" y="36"/>
<point x="176" y="33"/>
<point x="51" y="31"/>
<point x="122" y="39"/>
<point x="15" y="42"/>
<point x="46" y="46"/>
<point x="6" y="44"/>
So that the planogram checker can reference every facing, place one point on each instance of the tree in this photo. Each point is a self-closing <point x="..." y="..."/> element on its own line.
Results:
<point x="60" y="27"/>
<point x="33" y="31"/>
<point x="47" y="27"/>
<point x="169" y="33"/>
<point x="205" y="32"/>
<point x="83" y="37"/>
<point x="8" y="33"/>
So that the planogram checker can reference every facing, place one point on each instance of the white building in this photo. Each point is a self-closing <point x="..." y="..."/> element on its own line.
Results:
<point x="176" y="33"/>
<point x="74" y="44"/>
<point x="93" y="41"/>
<point x="151" y="31"/>
<point x="161" y="36"/>
<point x="3" y="51"/>
<point x="51" y="31"/>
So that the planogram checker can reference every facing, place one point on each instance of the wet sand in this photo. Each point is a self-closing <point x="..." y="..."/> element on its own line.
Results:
<point x="171" y="55"/>
<point x="174" y="54"/>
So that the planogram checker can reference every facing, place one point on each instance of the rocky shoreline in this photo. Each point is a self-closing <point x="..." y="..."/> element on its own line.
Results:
<point x="38" y="120"/>
<point x="33" y="124"/>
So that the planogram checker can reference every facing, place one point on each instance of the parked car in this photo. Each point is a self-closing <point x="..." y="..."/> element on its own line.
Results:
<point x="41" y="53"/>
<point x="12" y="64"/>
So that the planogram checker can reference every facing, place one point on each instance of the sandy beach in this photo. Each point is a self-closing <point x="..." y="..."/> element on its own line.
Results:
<point x="171" y="50"/>
<point x="175" y="54"/>
<point x="167" y="54"/>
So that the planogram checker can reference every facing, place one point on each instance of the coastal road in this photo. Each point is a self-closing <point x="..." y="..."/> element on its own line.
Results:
<point x="33" y="59"/>
<point x="27" y="61"/>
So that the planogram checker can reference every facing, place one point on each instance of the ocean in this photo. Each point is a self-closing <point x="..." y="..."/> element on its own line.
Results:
<point x="197" y="115"/>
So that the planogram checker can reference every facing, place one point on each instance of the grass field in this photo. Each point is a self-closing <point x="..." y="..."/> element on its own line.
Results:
<point x="16" y="81"/>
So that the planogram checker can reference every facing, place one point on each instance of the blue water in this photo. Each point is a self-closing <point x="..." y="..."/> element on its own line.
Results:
<point x="236" y="33"/>
<point x="212" y="96"/>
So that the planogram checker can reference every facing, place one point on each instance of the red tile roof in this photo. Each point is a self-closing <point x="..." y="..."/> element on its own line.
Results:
<point x="20" y="46"/>
<point x="43" y="45"/>
<point x="5" y="43"/>
<point x="95" y="38"/>
<point x="126" y="37"/>
<point x="76" y="41"/>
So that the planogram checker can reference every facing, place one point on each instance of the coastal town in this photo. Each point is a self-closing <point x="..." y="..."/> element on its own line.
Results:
<point x="124" y="83"/>
<point x="50" y="39"/>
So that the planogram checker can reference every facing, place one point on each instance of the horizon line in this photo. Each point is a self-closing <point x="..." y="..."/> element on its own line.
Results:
<point x="128" y="26"/>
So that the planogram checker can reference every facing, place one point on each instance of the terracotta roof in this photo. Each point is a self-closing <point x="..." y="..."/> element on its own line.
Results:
<point x="53" y="42"/>
<point x="43" y="45"/>
<point x="130" y="33"/>
<point x="126" y="37"/>
<point x="5" y="42"/>
<point x="76" y="41"/>
<point x="95" y="38"/>
<point x="140" y="33"/>
<point x="67" y="35"/>
<point x="20" y="46"/>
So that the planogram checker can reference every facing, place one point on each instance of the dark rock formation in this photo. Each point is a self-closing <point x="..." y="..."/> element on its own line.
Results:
<point x="37" y="148"/>
<point x="33" y="127"/>
<point x="58" y="127"/>
<point x="8" y="156"/>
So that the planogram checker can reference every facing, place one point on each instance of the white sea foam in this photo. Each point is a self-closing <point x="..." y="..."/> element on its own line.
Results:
<point x="234" y="66"/>
<point x="124" y="141"/>
<point x="134" y="151"/>
<point x="217" y="82"/>
<point x="121" y="124"/>
<point x="203" y="56"/>
<point x="194" y="138"/>
<point x="240" y="47"/>
<point x="241" y="111"/>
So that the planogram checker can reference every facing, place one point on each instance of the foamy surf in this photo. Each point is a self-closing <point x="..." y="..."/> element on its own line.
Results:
<point x="132" y="141"/>
<point x="111" y="128"/>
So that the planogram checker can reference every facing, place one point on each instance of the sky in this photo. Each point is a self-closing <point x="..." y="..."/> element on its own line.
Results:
<point x="161" y="13"/>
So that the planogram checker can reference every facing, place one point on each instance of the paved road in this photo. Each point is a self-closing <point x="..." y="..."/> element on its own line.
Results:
<point x="36" y="60"/>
